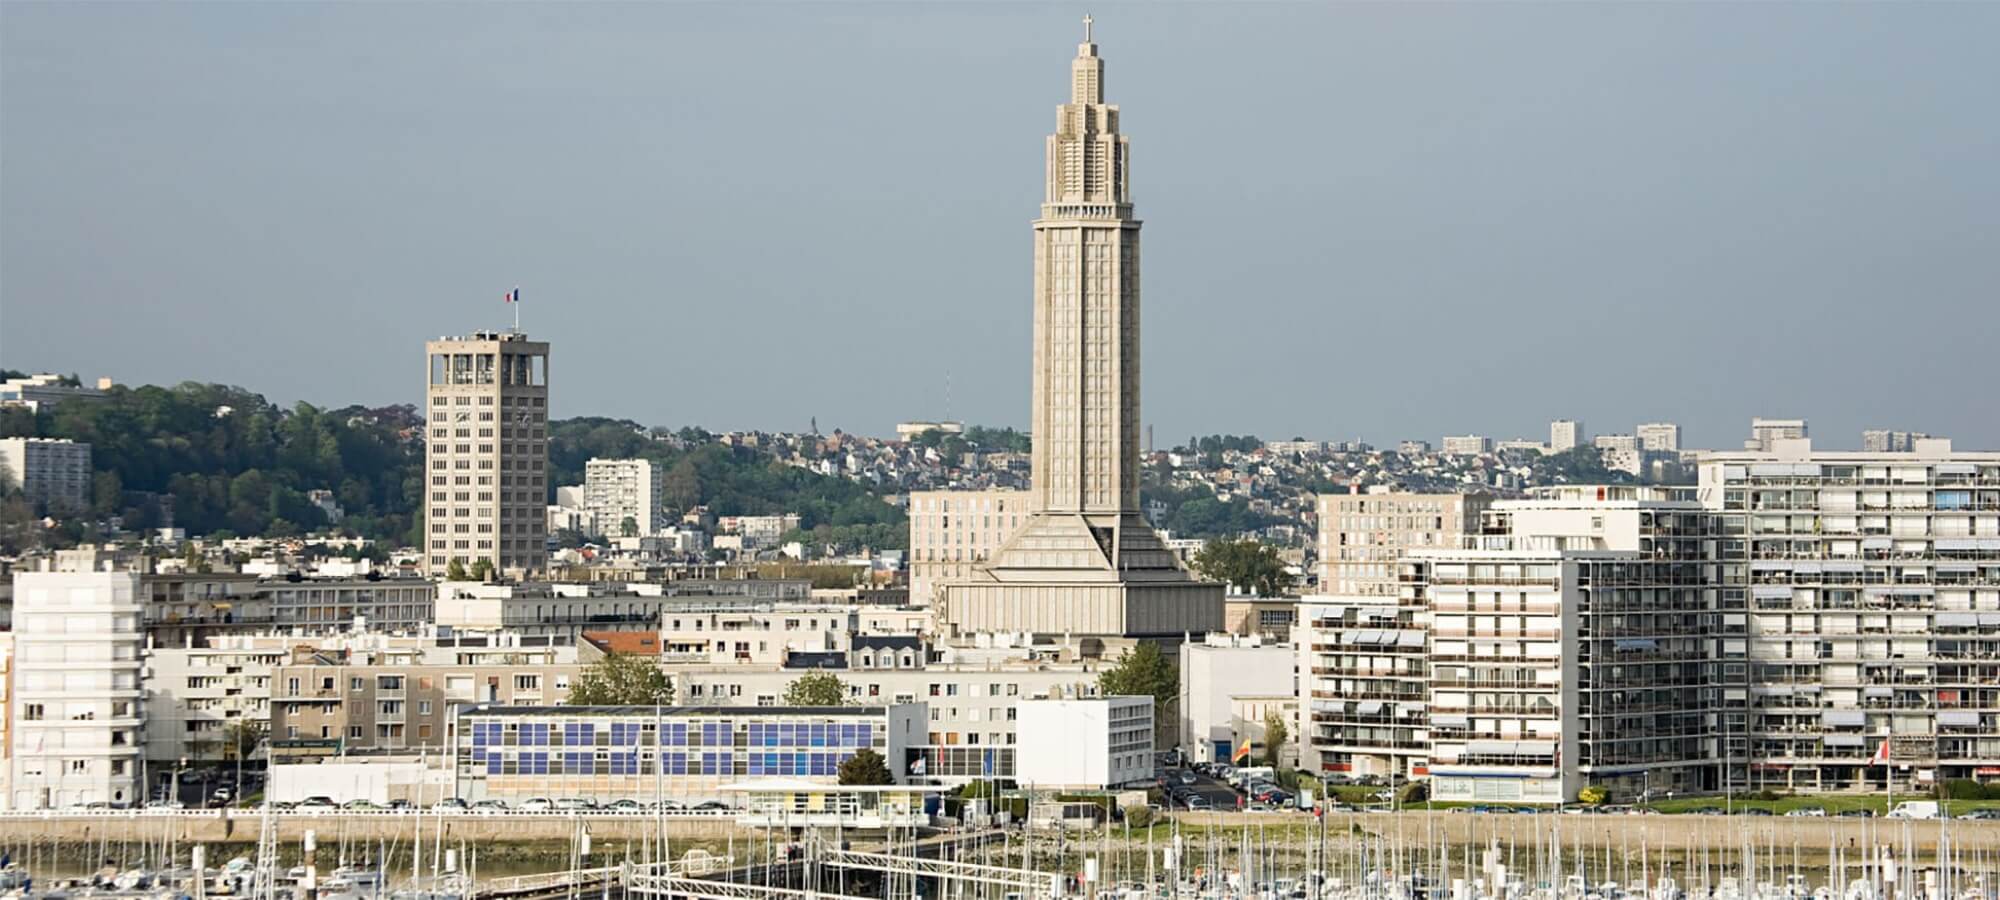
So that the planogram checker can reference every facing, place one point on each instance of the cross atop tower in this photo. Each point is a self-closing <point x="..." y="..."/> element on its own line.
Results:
<point x="1086" y="27"/>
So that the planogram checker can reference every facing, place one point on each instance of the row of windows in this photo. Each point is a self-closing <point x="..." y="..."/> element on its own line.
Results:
<point x="677" y="734"/>
<point x="670" y="763"/>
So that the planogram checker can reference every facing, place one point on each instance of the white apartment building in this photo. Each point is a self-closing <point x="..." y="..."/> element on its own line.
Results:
<point x="950" y="531"/>
<point x="618" y="493"/>
<point x="1566" y="434"/>
<point x="197" y="696"/>
<point x="766" y="636"/>
<point x="1084" y="744"/>
<point x="1467" y="445"/>
<point x="1214" y="673"/>
<point x="52" y="473"/>
<point x="1871" y="583"/>
<point x="1661" y="436"/>
<point x="77" y="704"/>
<point x="486" y="452"/>
<point x="1362" y="535"/>
<point x="1766" y="433"/>
<point x="1363" y="684"/>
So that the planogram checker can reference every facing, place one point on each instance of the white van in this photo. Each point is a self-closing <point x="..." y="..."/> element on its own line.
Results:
<point x="1915" y="809"/>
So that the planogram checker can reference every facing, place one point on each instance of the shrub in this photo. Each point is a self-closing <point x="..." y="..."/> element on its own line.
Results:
<point x="1592" y="795"/>
<point x="1138" y="816"/>
<point x="1964" y="789"/>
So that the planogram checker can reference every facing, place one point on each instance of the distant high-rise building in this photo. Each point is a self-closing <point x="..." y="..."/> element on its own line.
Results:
<point x="1877" y="440"/>
<point x="1467" y="445"/>
<point x="1765" y="433"/>
<point x="49" y="471"/>
<point x="1413" y="448"/>
<point x="1085" y="562"/>
<point x="1565" y="434"/>
<point x="617" y="491"/>
<point x="1616" y="442"/>
<point x="1662" y="436"/>
<point x="487" y="452"/>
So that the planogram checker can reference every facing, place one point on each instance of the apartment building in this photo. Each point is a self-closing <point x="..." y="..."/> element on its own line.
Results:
<point x="1362" y="535"/>
<point x="486" y="453"/>
<point x="1616" y="443"/>
<point x="950" y="531"/>
<point x="1871" y="585"/>
<point x="44" y="391"/>
<point x="327" y="704"/>
<point x="1766" y="433"/>
<point x="625" y="497"/>
<point x="1882" y="440"/>
<point x="1363" y="684"/>
<point x="197" y="699"/>
<point x="1573" y="647"/>
<point x="51" y="473"/>
<point x="685" y="753"/>
<point x="1467" y="445"/>
<point x="78" y="720"/>
<point x="1664" y="437"/>
<point x="1566" y="434"/>
<point x="763" y="636"/>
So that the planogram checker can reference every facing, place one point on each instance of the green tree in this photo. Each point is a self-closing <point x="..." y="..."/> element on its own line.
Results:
<point x="866" y="768"/>
<point x="455" y="571"/>
<point x="482" y="570"/>
<point x="816" y="689"/>
<point x="1592" y="795"/>
<point x="622" y="679"/>
<point x="1275" y="736"/>
<point x="628" y="527"/>
<point x="1250" y="566"/>
<point x="1143" y="671"/>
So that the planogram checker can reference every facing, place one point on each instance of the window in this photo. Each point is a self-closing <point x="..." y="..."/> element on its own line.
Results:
<point x="357" y="684"/>
<point x="527" y="682"/>
<point x="32" y="711"/>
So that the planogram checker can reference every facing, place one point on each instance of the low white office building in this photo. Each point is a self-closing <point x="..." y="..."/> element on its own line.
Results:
<point x="1084" y="744"/>
<point x="1215" y="672"/>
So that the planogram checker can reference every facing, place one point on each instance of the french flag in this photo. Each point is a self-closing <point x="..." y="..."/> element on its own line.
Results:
<point x="513" y="296"/>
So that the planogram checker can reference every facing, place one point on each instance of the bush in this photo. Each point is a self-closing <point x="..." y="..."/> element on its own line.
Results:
<point x="1965" y="789"/>
<point x="1138" y="816"/>
<point x="1592" y="795"/>
<point x="1416" y="792"/>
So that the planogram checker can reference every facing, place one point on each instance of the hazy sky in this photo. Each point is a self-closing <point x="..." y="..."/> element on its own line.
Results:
<point x="1376" y="220"/>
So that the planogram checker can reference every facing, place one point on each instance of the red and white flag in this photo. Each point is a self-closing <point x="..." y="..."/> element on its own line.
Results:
<point x="513" y="296"/>
<point x="1881" y="754"/>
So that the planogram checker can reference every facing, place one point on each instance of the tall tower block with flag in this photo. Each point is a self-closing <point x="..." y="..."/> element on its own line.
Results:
<point x="486" y="408"/>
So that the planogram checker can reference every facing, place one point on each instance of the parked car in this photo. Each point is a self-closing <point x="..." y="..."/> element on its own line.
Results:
<point x="1187" y="778"/>
<point x="1806" y="812"/>
<point x="575" y="804"/>
<point x="625" y="805"/>
<point x="1980" y="814"/>
<point x="399" y="804"/>
<point x="1196" y="802"/>
<point x="1856" y="814"/>
<point x="318" y="802"/>
<point x="359" y="805"/>
<point x="448" y="804"/>
<point x="538" y="804"/>
<point x="490" y="806"/>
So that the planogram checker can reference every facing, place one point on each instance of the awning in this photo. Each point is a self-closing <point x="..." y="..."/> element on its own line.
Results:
<point x="1450" y="721"/>
<point x="1987" y="618"/>
<point x="1771" y="592"/>
<point x="1876" y="543"/>
<point x="1805" y="567"/>
<point x="1368" y="707"/>
<point x="1841" y="740"/>
<point x="1770" y="566"/>
<point x="1843" y="566"/>
<point x="1957" y="469"/>
<point x="1957" y="717"/>
<point x="1878" y="692"/>
<point x="1773" y="690"/>
<point x="1956" y="544"/>
<point x="1957" y="567"/>
<point x="1490" y="748"/>
<point x="1843" y="717"/>
<point x="1411" y="639"/>
<point x="1954" y="619"/>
